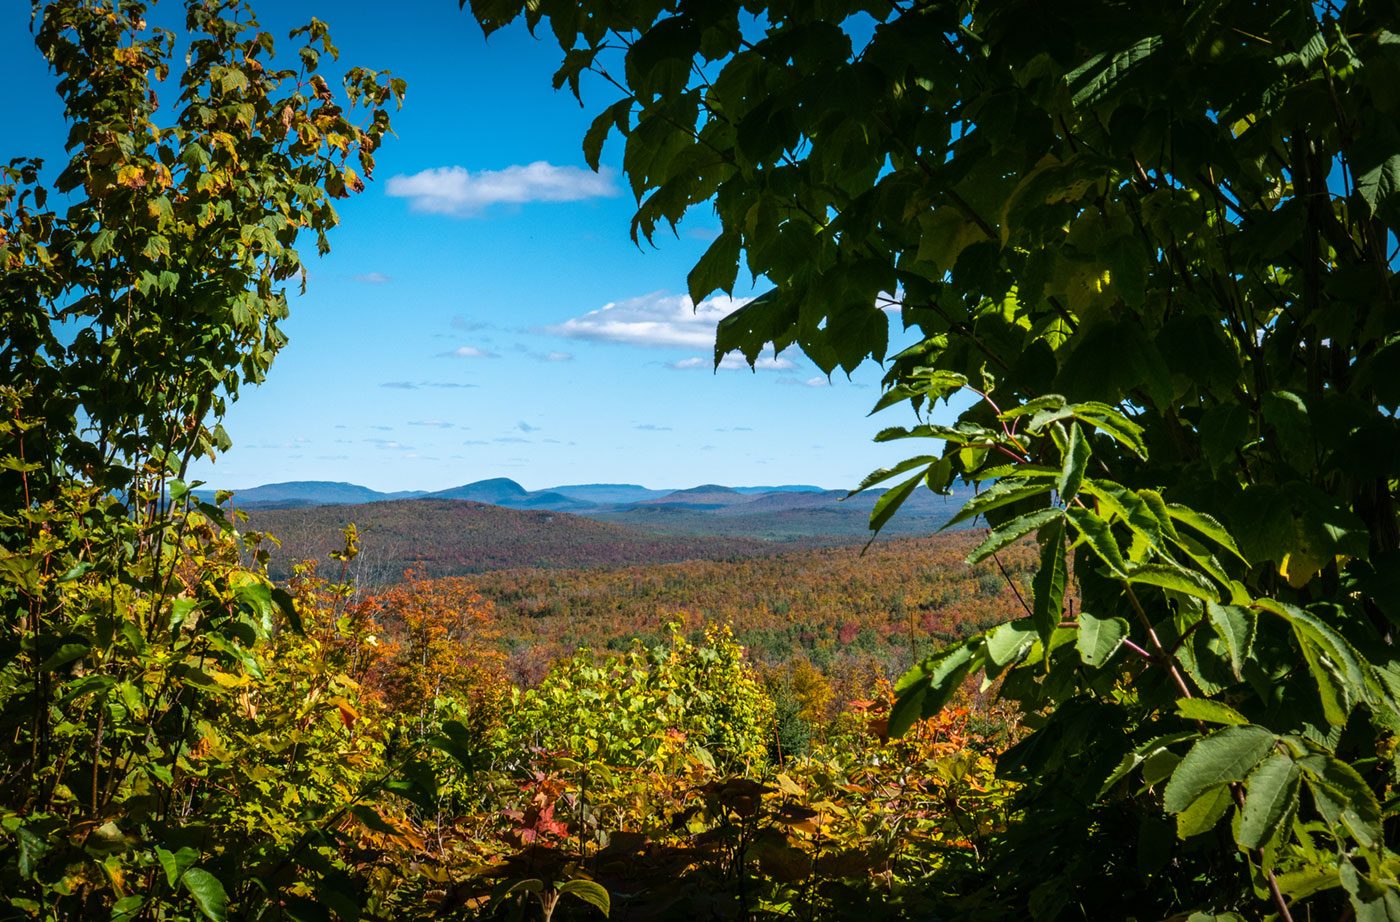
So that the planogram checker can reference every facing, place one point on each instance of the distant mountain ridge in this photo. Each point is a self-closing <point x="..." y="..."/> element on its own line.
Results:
<point x="497" y="491"/>
<point x="692" y="510"/>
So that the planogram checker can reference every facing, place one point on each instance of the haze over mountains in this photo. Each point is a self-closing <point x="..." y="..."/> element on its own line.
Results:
<point x="606" y="500"/>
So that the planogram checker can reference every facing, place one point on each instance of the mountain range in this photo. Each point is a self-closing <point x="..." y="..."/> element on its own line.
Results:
<point x="497" y="523"/>
<point x="617" y="501"/>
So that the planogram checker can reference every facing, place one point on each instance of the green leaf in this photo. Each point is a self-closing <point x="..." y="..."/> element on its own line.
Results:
<point x="890" y="501"/>
<point x="1129" y="507"/>
<point x="1076" y="456"/>
<point x="32" y="849"/>
<point x="1343" y="796"/>
<point x="1204" y="812"/>
<point x="1048" y="585"/>
<point x="1099" y="638"/>
<point x="1007" y="643"/>
<point x="1226" y="755"/>
<point x="1105" y="74"/>
<point x="766" y="319"/>
<point x="885" y="473"/>
<point x="1299" y="885"/>
<point x="1099" y="536"/>
<point x="717" y="269"/>
<point x="1210" y="711"/>
<point x="588" y="891"/>
<point x="925" y="689"/>
<point x="1235" y="626"/>
<point x="1014" y="531"/>
<point x="1001" y="493"/>
<point x="208" y="893"/>
<point x="1271" y="800"/>
<point x="283" y="599"/>
<point x="175" y="864"/>
<point x="1149" y="750"/>
<point x="1177" y="579"/>
<point x="1107" y="419"/>
<point x="1206" y="525"/>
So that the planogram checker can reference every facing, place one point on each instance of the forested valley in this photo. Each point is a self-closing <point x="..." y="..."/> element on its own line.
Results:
<point x="1145" y="254"/>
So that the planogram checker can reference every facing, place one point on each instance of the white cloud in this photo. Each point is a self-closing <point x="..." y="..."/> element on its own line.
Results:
<point x="659" y="319"/>
<point x="372" y="278"/>
<point x="652" y="427"/>
<point x="455" y="190"/>
<point x="559" y="357"/>
<point x="817" y="381"/>
<point x="735" y="362"/>
<point x="435" y="423"/>
<point x="468" y="352"/>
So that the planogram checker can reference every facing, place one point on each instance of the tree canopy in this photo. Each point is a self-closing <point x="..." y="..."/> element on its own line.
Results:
<point x="1150" y="249"/>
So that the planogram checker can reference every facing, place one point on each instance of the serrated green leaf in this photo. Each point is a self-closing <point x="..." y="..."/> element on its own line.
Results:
<point x="1226" y="755"/>
<point x="1128" y="507"/>
<point x="890" y="501"/>
<point x="1235" y="626"/>
<point x="1001" y="493"/>
<point x="1177" y="579"/>
<point x="1271" y="800"/>
<point x="931" y="683"/>
<point x="1206" y="525"/>
<point x="1013" y="531"/>
<point x="1118" y="427"/>
<point x="885" y="473"/>
<point x="716" y="269"/>
<point x="1343" y="796"/>
<point x="1076" y="456"/>
<point x="1099" y="536"/>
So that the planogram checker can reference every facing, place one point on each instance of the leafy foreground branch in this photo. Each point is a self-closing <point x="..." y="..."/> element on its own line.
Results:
<point x="1150" y="248"/>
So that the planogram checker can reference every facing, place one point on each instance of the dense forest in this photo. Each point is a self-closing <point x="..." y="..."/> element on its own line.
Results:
<point x="834" y="607"/>
<point x="1147" y="253"/>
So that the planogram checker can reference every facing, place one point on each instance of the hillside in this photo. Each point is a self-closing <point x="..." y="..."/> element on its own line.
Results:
<point x="455" y="537"/>
<point x="833" y="606"/>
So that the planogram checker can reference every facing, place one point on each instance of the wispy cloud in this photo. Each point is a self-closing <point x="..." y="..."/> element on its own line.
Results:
<point x="468" y="352"/>
<point x="410" y="386"/>
<point x="513" y="439"/>
<point x="457" y="191"/>
<point x="817" y="381"/>
<point x="389" y="445"/>
<point x="462" y="323"/>
<point x="434" y="423"/>
<point x="557" y="357"/>
<point x="526" y="427"/>
<point x="658" y="320"/>
<point x="372" y="278"/>
<point x="735" y="362"/>
<point x="652" y="427"/>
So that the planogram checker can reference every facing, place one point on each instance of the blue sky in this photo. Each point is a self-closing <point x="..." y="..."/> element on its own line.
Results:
<point x="483" y="312"/>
